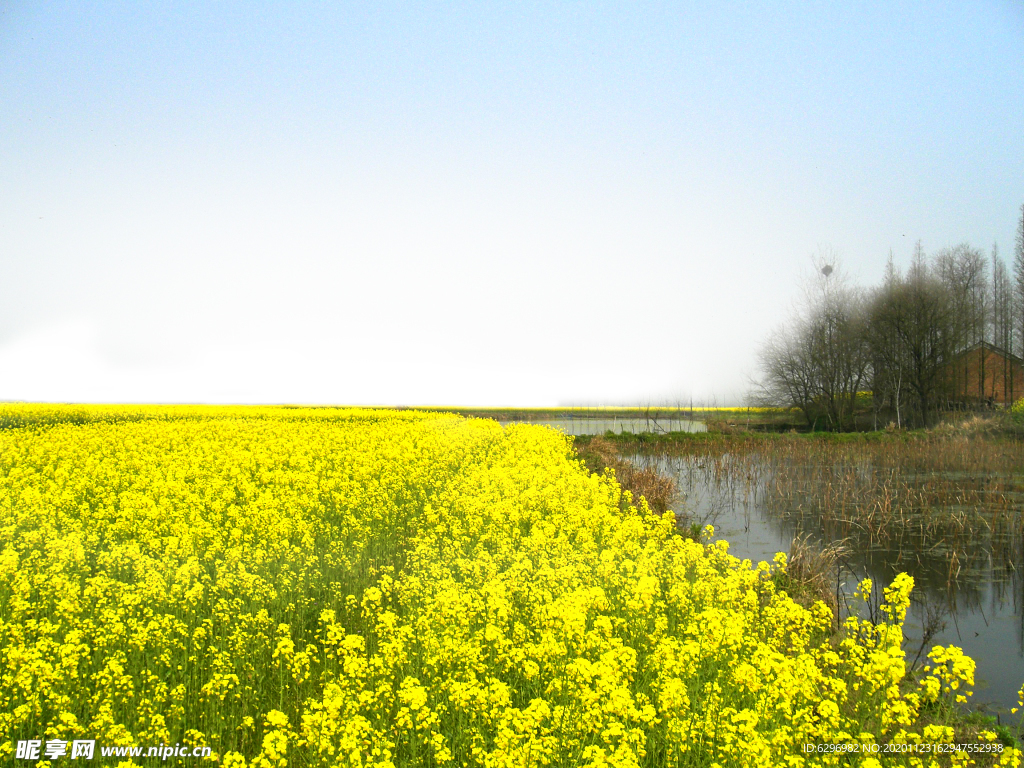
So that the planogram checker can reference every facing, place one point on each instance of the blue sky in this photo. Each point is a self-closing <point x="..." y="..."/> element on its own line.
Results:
<point x="473" y="204"/>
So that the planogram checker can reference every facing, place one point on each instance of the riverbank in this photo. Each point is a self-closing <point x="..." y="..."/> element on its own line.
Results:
<point x="943" y="505"/>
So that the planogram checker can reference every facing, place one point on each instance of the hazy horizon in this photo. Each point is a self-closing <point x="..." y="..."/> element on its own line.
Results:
<point x="519" y="205"/>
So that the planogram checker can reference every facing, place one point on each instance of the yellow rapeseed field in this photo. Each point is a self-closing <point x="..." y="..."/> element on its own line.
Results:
<point x="322" y="587"/>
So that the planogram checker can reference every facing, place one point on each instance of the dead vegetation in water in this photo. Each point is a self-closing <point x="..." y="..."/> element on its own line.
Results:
<point x="945" y="504"/>
<point x="936" y="498"/>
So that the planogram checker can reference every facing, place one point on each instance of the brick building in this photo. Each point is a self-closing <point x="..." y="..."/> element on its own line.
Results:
<point x="984" y="375"/>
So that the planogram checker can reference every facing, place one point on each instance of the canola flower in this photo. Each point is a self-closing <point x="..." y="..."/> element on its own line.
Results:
<point x="323" y="587"/>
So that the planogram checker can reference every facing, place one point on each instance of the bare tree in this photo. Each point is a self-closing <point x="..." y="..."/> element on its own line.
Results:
<point x="963" y="270"/>
<point x="1002" y="315"/>
<point x="1018" y="283"/>
<point x="913" y="331"/>
<point x="787" y="368"/>
<point x="840" y="350"/>
<point x="888" y="360"/>
<point x="820" y="360"/>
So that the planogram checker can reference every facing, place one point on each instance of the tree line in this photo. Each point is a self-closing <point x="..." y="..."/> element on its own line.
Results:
<point x="898" y="340"/>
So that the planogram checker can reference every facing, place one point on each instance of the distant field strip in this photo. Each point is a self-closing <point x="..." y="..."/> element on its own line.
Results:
<point x="307" y="587"/>
<point x="661" y="410"/>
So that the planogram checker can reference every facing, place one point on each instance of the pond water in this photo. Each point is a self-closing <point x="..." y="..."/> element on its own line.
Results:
<point x="972" y="594"/>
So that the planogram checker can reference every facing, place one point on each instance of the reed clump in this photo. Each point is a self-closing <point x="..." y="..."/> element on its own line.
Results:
<point x="814" y="572"/>
<point x="974" y="425"/>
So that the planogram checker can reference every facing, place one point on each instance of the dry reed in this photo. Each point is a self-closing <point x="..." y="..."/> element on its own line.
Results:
<point x="658" y="489"/>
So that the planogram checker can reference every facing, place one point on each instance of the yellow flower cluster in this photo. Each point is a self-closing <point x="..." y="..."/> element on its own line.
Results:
<point x="307" y="587"/>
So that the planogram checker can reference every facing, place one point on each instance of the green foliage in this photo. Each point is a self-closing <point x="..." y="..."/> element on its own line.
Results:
<point x="1017" y="410"/>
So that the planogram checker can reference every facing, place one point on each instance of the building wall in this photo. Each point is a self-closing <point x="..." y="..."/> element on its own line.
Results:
<point x="982" y="375"/>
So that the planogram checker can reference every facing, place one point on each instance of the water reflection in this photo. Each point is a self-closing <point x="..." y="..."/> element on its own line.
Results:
<point x="957" y="533"/>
